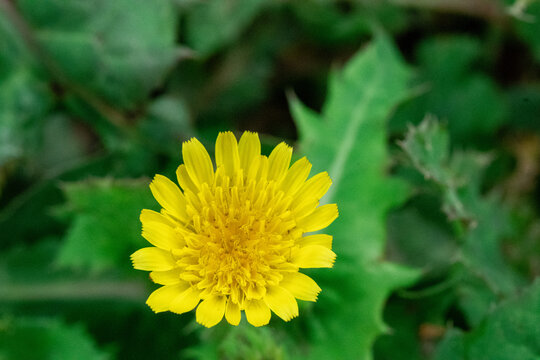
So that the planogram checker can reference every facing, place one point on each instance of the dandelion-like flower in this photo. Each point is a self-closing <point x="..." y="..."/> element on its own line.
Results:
<point x="233" y="239"/>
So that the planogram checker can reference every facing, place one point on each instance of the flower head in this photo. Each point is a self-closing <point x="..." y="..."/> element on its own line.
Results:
<point x="233" y="239"/>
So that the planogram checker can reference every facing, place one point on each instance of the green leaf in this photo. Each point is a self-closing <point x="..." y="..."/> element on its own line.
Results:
<point x="427" y="146"/>
<point x="112" y="304"/>
<point x="213" y="24"/>
<point x="105" y="229"/>
<point x="524" y="104"/>
<point x="119" y="50"/>
<point x="31" y="338"/>
<point x="30" y="275"/>
<point x="30" y="204"/>
<point x="24" y="98"/>
<point x="416" y="240"/>
<point x="401" y="342"/>
<point x="510" y="331"/>
<point x="62" y="146"/>
<point x="167" y="124"/>
<point x="327" y="23"/>
<point x="469" y="101"/>
<point x="480" y="221"/>
<point x="349" y="140"/>
<point x="36" y="201"/>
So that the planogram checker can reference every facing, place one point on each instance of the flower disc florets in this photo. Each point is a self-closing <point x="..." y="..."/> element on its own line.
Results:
<point x="234" y="237"/>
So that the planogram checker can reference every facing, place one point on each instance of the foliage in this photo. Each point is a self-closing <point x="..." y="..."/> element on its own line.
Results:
<point x="510" y="331"/>
<point x="348" y="138"/>
<point x="468" y="101"/>
<point x="46" y="339"/>
<point x="97" y="208"/>
<point x="480" y="221"/>
<point x="425" y="116"/>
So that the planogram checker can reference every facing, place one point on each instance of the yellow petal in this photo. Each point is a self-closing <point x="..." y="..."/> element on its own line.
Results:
<point x="313" y="189"/>
<point x="279" y="161"/>
<point x="296" y="176"/>
<point x="319" y="219"/>
<point x="169" y="196"/>
<point x="185" y="301"/>
<point x="281" y="302"/>
<point x="232" y="313"/>
<point x="168" y="277"/>
<point x="301" y="286"/>
<point x="185" y="181"/>
<point x="257" y="312"/>
<point x="153" y="259"/>
<point x="306" y="207"/>
<point x="198" y="163"/>
<point x="160" y="299"/>
<point x="151" y="215"/>
<point x="314" y="256"/>
<point x="156" y="230"/>
<point x="169" y="217"/>
<point x="249" y="150"/>
<point x="262" y="169"/>
<point x="210" y="311"/>
<point x="190" y="276"/>
<point x="227" y="153"/>
<point x="317" y="239"/>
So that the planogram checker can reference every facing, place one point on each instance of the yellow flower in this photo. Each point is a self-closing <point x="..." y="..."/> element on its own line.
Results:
<point x="234" y="237"/>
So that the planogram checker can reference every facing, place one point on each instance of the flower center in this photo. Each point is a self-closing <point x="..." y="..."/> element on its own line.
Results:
<point x="245" y="237"/>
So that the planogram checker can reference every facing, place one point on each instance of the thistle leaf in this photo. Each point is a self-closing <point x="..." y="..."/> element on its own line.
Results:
<point x="349" y="139"/>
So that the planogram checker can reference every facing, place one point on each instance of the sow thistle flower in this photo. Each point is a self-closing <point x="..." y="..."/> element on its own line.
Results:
<point x="232" y="239"/>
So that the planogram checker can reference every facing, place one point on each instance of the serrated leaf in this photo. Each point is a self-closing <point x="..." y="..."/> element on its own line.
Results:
<point x="483" y="221"/>
<point x="119" y="50"/>
<point x="105" y="228"/>
<point x="45" y="338"/>
<point x="349" y="140"/>
<point x="510" y="331"/>
<point x="427" y="146"/>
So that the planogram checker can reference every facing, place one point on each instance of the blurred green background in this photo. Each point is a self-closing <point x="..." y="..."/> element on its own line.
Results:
<point x="426" y="113"/>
